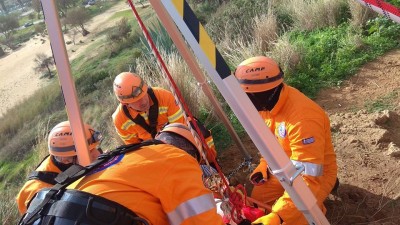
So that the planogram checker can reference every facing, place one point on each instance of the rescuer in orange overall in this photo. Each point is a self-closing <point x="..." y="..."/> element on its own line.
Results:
<point x="62" y="155"/>
<point x="153" y="182"/>
<point x="144" y="110"/>
<point x="303" y="130"/>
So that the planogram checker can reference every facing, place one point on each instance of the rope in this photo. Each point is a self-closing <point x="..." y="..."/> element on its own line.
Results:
<point x="238" y="200"/>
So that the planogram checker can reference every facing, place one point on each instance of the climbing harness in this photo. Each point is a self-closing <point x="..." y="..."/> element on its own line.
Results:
<point x="44" y="176"/>
<point x="153" y="115"/>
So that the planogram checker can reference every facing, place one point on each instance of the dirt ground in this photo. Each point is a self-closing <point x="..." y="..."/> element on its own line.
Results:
<point x="18" y="79"/>
<point x="366" y="144"/>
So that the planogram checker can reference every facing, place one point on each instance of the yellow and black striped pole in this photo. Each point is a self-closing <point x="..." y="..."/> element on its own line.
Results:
<point x="202" y="38"/>
<point x="208" y="55"/>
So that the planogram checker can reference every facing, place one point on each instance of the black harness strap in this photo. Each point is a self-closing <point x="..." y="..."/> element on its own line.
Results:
<point x="74" y="173"/>
<point x="78" y="207"/>
<point x="153" y="115"/>
<point x="45" y="176"/>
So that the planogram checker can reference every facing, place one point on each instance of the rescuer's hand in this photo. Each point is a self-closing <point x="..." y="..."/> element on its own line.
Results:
<point x="259" y="175"/>
<point x="270" y="219"/>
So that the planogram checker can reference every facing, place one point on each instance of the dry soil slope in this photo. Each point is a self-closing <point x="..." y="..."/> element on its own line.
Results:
<point x="367" y="144"/>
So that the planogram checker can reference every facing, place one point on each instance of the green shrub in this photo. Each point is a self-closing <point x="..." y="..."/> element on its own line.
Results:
<point x="203" y="9"/>
<point x="86" y="83"/>
<point x="331" y="55"/>
<point x="234" y="18"/>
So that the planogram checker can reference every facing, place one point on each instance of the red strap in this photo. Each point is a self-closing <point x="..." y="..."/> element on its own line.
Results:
<point x="385" y="6"/>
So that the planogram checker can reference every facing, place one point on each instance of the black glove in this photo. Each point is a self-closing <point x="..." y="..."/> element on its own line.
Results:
<point x="258" y="178"/>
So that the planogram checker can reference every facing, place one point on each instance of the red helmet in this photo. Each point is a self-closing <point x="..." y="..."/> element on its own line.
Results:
<point x="129" y="87"/>
<point x="61" y="142"/>
<point x="258" y="74"/>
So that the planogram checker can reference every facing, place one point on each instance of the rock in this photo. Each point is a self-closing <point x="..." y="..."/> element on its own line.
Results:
<point x="381" y="135"/>
<point x="382" y="118"/>
<point x="335" y="125"/>
<point x="393" y="150"/>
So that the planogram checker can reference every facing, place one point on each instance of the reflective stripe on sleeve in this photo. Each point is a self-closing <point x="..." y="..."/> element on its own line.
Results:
<point x="175" y="116"/>
<point x="145" y="116"/>
<point x="311" y="169"/>
<point x="128" y="137"/>
<point x="191" y="208"/>
<point x="162" y="110"/>
<point x="210" y="143"/>
<point x="127" y="124"/>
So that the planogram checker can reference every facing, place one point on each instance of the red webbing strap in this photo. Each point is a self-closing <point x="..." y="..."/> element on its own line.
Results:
<point x="385" y="6"/>
<point x="387" y="9"/>
<point x="176" y="89"/>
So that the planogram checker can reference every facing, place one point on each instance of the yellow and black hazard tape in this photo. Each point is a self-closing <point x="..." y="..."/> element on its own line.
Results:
<point x="200" y="34"/>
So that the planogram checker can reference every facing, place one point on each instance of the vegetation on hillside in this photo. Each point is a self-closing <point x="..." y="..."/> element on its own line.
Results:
<point x="317" y="43"/>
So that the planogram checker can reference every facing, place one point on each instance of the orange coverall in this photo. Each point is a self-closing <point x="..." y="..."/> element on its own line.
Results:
<point x="160" y="183"/>
<point x="303" y="130"/>
<point x="31" y="187"/>
<point x="168" y="112"/>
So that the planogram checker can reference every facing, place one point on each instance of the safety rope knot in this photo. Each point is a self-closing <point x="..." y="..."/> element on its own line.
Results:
<point x="237" y="200"/>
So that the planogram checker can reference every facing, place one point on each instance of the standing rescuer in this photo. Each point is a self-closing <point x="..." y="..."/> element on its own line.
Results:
<point x="62" y="155"/>
<point x="153" y="182"/>
<point x="303" y="130"/>
<point x="143" y="110"/>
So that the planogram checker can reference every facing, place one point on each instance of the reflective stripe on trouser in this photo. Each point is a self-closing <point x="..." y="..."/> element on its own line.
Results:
<point x="191" y="208"/>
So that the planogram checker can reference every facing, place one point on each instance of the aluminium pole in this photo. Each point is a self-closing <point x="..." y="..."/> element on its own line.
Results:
<point x="193" y="65"/>
<point x="215" y="65"/>
<point x="66" y="81"/>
